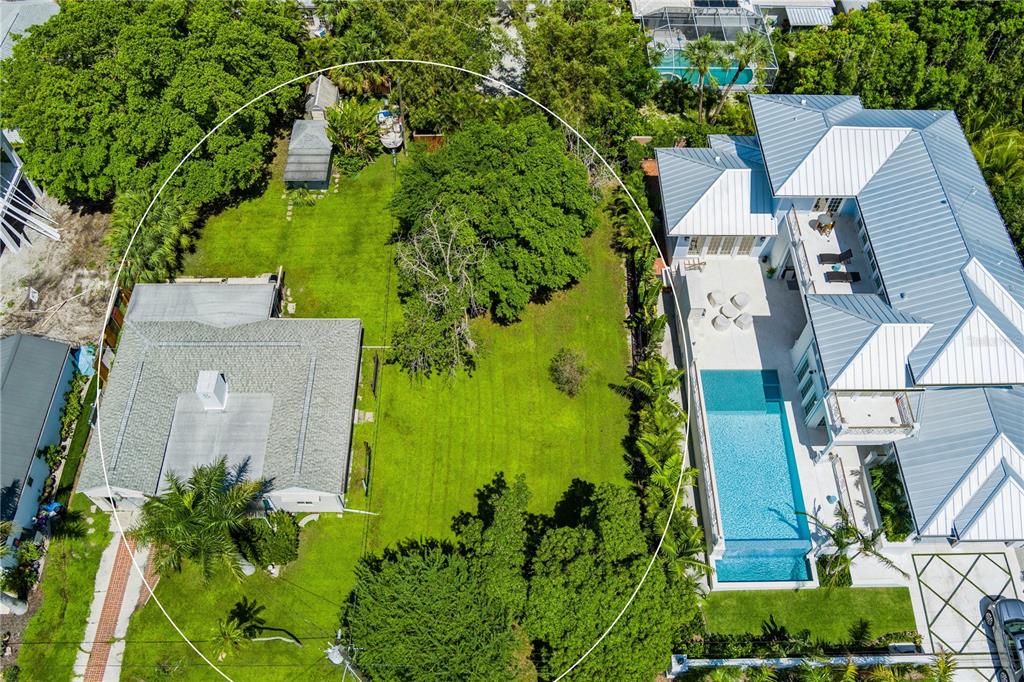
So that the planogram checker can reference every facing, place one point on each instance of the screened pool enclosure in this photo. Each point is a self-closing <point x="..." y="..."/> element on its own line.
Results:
<point x="670" y="28"/>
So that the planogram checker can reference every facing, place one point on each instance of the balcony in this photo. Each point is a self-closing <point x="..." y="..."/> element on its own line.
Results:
<point x="811" y="245"/>
<point x="867" y="419"/>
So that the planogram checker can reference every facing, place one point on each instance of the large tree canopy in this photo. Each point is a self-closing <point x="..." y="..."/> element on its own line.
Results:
<point x="109" y="95"/>
<point x="526" y="201"/>
<point x="587" y="61"/>
<point x="456" y="32"/>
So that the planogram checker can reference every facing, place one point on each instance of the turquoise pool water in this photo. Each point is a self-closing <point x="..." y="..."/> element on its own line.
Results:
<point x="674" y="63"/>
<point x="766" y="537"/>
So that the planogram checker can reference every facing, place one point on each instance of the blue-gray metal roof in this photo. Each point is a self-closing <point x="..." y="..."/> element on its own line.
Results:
<point x="957" y="427"/>
<point x="30" y="368"/>
<point x="927" y="209"/>
<point x="843" y="323"/>
<point x="686" y="175"/>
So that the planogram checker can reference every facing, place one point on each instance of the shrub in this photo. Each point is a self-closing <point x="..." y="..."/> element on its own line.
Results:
<point x="20" y="578"/>
<point x="568" y="371"/>
<point x="273" y="539"/>
<point x="12" y="674"/>
<point x="72" y="406"/>
<point x="892" y="502"/>
<point x="53" y="454"/>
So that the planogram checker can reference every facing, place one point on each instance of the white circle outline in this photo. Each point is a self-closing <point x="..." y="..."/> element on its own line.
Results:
<point x="671" y="284"/>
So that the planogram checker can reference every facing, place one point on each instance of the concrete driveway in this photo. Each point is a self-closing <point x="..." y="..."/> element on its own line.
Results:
<point x="955" y="589"/>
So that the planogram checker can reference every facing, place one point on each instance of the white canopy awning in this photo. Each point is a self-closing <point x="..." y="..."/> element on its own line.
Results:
<point x="809" y="16"/>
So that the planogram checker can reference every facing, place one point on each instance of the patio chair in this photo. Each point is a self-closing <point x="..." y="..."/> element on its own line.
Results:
<point x="835" y="258"/>
<point x="729" y="310"/>
<point x="716" y="298"/>
<point x="741" y="300"/>
<point x="847" y="277"/>
<point x="720" y="323"/>
<point x="744" y="321"/>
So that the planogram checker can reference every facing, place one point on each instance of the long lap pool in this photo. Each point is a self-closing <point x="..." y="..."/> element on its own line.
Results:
<point x="766" y="535"/>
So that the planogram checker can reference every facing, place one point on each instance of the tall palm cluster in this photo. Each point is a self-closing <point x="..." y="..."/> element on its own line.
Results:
<point x="197" y="519"/>
<point x="654" y="387"/>
<point x="942" y="669"/>
<point x="846" y="543"/>
<point x="705" y="53"/>
<point x="164" y="236"/>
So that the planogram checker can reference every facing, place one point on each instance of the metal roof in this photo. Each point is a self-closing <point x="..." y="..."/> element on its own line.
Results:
<point x="309" y="152"/>
<point x="928" y="214"/>
<point x="30" y="369"/>
<point x="321" y="94"/>
<point x="206" y="302"/>
<point x="964" y="467"/>
<point x="862" y="342"/>
<point x="17" y="17"/>
<point x="700" y="188"/>
<point x="809" y="16"/>
<point x="309" y="368"/>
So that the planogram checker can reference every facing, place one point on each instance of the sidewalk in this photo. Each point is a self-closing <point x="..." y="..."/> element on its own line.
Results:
<point x="116" y="594"/>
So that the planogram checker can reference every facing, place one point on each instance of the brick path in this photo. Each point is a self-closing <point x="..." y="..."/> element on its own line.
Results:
<point x="111" y="610"/>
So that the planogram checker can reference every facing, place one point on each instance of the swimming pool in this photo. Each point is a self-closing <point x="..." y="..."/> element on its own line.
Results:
<point x="674" y="63"/>
<point x="766" y="535"/>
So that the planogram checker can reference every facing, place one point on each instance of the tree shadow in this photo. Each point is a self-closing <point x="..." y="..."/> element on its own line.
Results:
<point x="69" y="525"/>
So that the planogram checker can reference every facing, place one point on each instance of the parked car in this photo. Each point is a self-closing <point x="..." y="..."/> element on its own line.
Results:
<point x="1006" y="618"/>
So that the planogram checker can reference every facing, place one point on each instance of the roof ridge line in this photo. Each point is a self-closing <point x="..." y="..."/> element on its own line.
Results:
<point x="699" y="199"/>
<point x="967" y="471"/>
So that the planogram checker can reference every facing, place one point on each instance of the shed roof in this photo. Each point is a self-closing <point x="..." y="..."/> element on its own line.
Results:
<point x="964" y="469"/>
<point x="309" y="152"/>
<point x="809" y="16"/>
<point x="321" y="94"/>
<point x="306" y="369"/>
<point x="30" y="369"/>
<point x="941" y="247"/>
<point x="710" y="191"/>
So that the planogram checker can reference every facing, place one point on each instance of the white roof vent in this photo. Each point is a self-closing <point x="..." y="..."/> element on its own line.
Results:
<point x="212" y="389"/>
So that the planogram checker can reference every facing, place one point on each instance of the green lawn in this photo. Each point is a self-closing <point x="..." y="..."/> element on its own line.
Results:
<point x="51" y="639"/>
<point x="335" y="254"/>
<point x="829" y="615"/>
<point x="435" y="442"/>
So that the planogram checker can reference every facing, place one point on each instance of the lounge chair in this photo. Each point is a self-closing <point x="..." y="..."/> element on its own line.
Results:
<point x="835" y="258"/>
<point x="741" y="300"/>
<point x="847" y="277"/>
<point x="744" y="321"/>
<point x="720" y="323"/>
<point x="716" y="298"/>
<point x="729" y="310"/>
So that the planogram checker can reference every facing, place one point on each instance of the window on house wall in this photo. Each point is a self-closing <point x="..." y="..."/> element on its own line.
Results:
<point x="746" y="246"/>
<point x="28" y="483"/>
<point x="715" y="244"/>
<point x="833" y="204"/>
<point x="695" y="245"/>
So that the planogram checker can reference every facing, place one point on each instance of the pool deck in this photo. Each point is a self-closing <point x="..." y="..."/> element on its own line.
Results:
<point x="778" y="320"/>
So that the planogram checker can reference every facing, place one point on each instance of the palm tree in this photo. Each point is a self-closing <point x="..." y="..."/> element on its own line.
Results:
<point x="943" y="669"/>
<point x="749" y="47"/>
<point x="163" y="238"/>
<point x="703" y="54"/>
<point x="844" y="535"/>
<point x="195" y="519"/>
<point x="655" y="381"/>
<point x="230" y="637"/>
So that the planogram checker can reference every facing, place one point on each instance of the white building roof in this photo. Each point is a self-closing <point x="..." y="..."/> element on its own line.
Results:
<point x="843" y="161"/>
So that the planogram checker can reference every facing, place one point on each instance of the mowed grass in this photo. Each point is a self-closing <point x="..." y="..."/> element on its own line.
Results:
<point x="335" y="254"/>
<point x="828" y="614"/>
<point x="52" y="637"/>
<point x="434" y="442"/>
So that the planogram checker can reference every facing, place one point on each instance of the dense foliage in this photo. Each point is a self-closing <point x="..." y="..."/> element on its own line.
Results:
<point x="269" y="540"/>
<point x="947" y="54"/>
<point x="72" y="405"/>
<point x="109" y="95"/>
<point x="587" y="61"/>
<point x="352" y="128"/>
<point x="456" y="32"/>
<point x="892" y="501"/>
<point x="514" y="578"/>
<point x="492" y="220"/>
<point x="568" y="371"/>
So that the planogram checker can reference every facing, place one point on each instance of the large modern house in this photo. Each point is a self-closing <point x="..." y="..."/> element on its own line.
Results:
<point x="35" y="373"/>
<point x="851" y="297"/>
<point x="206" y="370"/>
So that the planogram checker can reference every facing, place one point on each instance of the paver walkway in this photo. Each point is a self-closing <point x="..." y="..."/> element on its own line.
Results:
<point x="954" y="590"/>
<point x="112" y="600"/>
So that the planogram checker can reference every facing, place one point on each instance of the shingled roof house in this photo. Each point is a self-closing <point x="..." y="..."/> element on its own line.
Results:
<point x="883" y="289"/>
<point x="203" y="371"/>
<point x="35" y="373"/>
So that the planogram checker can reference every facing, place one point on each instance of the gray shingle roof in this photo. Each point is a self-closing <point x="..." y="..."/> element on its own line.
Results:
<point x="309" y="152"/>
<point x="30" y="368"/>
<point x="321" y="94"/>
<point x="202" y="302"/>
<point x="309" y="367"/>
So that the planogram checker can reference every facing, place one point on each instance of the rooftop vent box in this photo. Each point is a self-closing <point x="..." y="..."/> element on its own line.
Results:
<point x="212" y="389"/>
